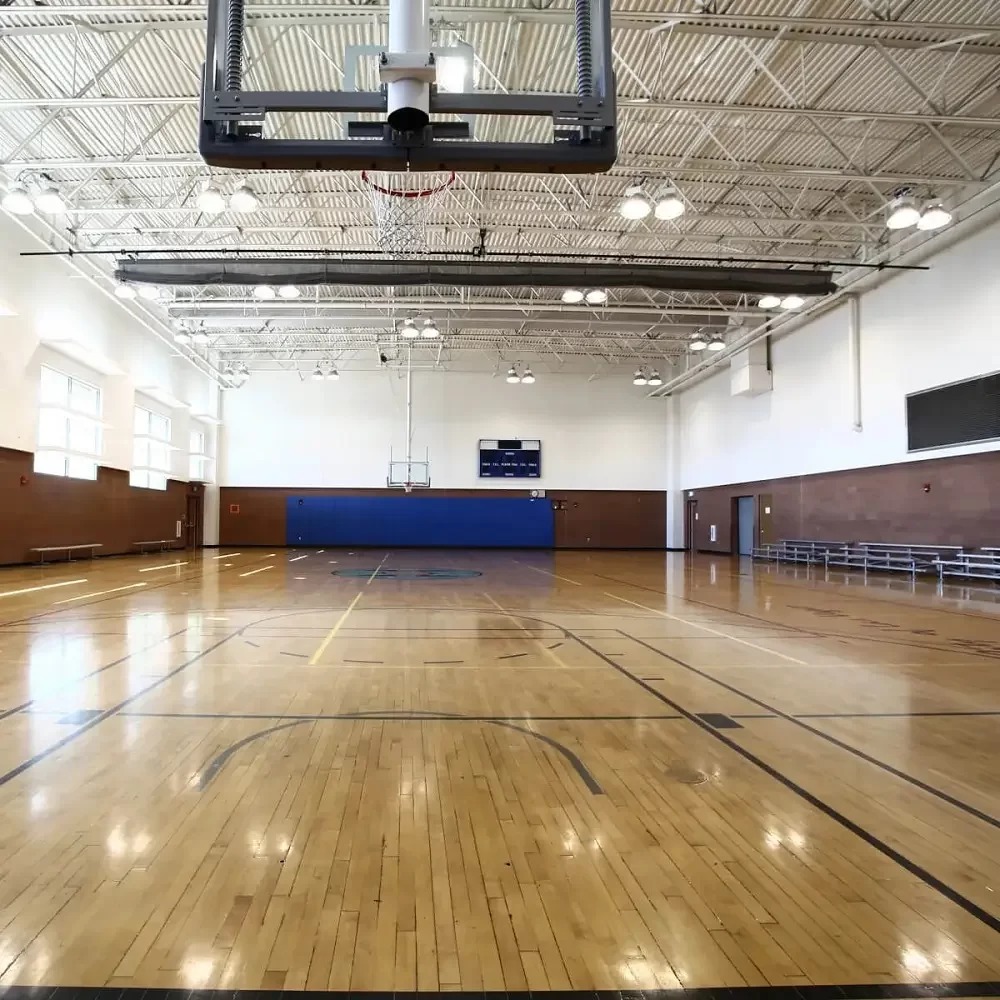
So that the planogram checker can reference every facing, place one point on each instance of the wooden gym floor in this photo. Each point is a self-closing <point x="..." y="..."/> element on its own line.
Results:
<point x="525" y="771"/>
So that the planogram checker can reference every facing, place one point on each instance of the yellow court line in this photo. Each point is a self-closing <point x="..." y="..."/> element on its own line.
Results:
<point x="332" y="634"/>
<point x="100" y="593"/>
<point x="228" y="555"/>
<point x="545" y="649"/>
<point x="261" y="570"/>
<point x="705" y="628"/>
<point x="44" y="586"/>
<point x="576" y="583"/>
<point x="377" y="568"/>
<point x="152" y="569"/>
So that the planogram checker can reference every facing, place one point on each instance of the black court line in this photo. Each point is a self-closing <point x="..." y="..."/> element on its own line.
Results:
<point x="428" y="716"/>
<point x="48" y="751"/>
<point x="218" y="762"/>
<point x="838" y="817"/>
<point x="7" y="713"/>
<point x="303" y="656"/>
<point x="888" y="715"/>
<point x="854" y="991"/>
<point x="511" y="656"/>
<point x="362" y="661"/>
<point x="438" y="663"/>
<point x="804" y="632"/>
<point x="797" y="720"/>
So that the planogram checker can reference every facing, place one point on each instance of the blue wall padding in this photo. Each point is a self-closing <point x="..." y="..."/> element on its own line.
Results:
<point x="474" y="522"/>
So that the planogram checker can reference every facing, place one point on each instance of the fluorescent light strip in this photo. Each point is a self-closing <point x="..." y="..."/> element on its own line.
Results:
<point x="261" y="570"/>
<point x="46" y="586"/>
<point x="297" y="558"/>
<point x="153" y="569"/>
<point x="230" y="555"/>
<point x="101" y="593"/>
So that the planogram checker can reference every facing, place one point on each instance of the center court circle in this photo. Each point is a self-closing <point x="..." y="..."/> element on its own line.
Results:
<point x="408" y="574"/>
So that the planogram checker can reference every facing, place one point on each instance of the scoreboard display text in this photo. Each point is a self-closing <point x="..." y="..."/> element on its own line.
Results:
<point x="510" y="459"/>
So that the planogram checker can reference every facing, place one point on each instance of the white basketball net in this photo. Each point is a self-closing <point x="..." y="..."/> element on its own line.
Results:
<point x="403" y="205"/>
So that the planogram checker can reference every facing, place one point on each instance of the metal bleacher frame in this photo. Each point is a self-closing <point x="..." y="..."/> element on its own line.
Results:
<point x="887" y="557"/>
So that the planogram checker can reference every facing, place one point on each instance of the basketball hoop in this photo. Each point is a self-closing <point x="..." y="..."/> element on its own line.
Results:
<point x="402" y="204"/>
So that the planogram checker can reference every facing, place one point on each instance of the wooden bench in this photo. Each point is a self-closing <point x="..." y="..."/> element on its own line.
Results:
<point x="42" y="550"/>
<point x="162" y="543"/>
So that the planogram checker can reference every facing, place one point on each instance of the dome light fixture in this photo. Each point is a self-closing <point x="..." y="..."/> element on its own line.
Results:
<point x="636" y="205"/>
<point x="639" y="378"/>
<point x="596" y="296"/>
<point x="48" y="200"/>
<point x="698" y="342"/>
<point x="289" y="291"/>
<point x="669" y="206"/>
<point x="528" y="377"/>
<point x="264" y="292"/>
<point x="182" y="337"/>
<point x="571" y="296"/>
<point x="318" y="375"/>
<point x="333" y="375"/>
<point x="769" y="301"/>
<point x="17" y="201"/>
<point x="124" y="290"/>
<point x="243" y="200"/>
<point x="716" y="344"/>
<point x="934" y="216"/>
<point x="430" y="330"/>
<point x="792" y="302"/>
<point x="512" y="376"/>
<point x="654" y="378"/>
<point x="210" y="199"/>
<point x="409" y="331"/>
<point x="149" y="292"/>
<point x="200" y="338"/>
<point x="902" y="212"/>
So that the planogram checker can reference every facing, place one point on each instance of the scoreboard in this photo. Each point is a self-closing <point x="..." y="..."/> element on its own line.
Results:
<point x="510" y="459"/>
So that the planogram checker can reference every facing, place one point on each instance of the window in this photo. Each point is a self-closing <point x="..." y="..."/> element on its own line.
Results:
<point x="69" y="426"/>
<point x="151" y="450"/>
<point x="200" y="462"/>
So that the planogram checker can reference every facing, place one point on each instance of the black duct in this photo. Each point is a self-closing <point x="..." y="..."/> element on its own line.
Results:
<point x="463" y="274"/>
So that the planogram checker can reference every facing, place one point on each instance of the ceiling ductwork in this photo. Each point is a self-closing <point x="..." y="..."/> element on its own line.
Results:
<point x="463" y="274"/>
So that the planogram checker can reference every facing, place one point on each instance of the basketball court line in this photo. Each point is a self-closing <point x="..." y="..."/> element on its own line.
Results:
<point x="545" y="649"/>
<point x="565" y="579"/>
<point x="705" y="628"/>
<point x="332" y="634"/>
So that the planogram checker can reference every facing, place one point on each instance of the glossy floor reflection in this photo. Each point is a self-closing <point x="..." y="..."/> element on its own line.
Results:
<point x="614" y="771"/>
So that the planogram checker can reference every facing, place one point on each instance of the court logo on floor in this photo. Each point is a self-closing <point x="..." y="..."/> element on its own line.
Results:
<point x="407" y="573"/>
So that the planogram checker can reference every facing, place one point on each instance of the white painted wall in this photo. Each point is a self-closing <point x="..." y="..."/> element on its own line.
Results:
<point x="919" y="330"/>
<point x="595" y="435"/>
<point x="51" y="299"/>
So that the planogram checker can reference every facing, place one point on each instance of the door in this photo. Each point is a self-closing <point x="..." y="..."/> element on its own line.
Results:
<point x="194" y="521"/>
<point x="690" y="523"/>
<point x="745" y="520"/>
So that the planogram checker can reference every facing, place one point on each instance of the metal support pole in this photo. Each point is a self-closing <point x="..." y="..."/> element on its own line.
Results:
<point x="409" y="99"/>
<point x="854" y="355"/>
<point x="409" y="415"/>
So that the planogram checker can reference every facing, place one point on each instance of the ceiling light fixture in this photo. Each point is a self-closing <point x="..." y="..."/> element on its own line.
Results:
<point x="636" y="205"/>
<point x="124" y="291"/>
<point x="182" y="337"/>
<point x="596" y="296"/>
<point x="902" y="212"/>
<point x="332" y="375"/>
<point x="17" y="201"/>
<point x="264" y="292"/>
<point x="149" y="292"/>
<point x="698" y="342"/>
<point x="200" y="338"/>
<point x="669" y="206"/>
<point x="639" y="378"/>
<point x="210" y="199"/>
<point x="792" y="302"/>
<point x="48" y="199"/>
<point x="934" y="216"/>
<point x="654" y="378"/>
<point x="409" y="331"/>
<point x="318" y="375"/>
<point x="528" y="377"/>
<point x="572" y="295"/>
<point x="716" y="344"/>
<point x="289" y="291"/>
<point x="430" y="330"/>
<point x="769" y="301"/>
<point x="243" y="199"/>
<point x="512" y="376"/>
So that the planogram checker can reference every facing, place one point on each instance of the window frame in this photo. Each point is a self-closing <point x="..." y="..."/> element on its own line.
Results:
<point x="59" y="457"/>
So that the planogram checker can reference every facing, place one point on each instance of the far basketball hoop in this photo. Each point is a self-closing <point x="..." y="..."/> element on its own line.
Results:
<point x="403" y="204"/>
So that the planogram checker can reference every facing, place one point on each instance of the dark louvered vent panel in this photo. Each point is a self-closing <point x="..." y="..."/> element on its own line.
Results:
<point x="954" y="414"/>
